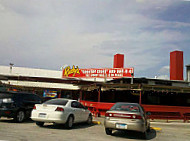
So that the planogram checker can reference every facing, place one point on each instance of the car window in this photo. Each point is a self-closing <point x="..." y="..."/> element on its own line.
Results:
<point x="81" y="106"/>
<point x="142" y="109"/>
<point x="125" y="107"/>
<point x="61" y="102"/>
<point x="75" y="104"/>
<point x="37" y="98"/>
<point x="28" y="97"/>
<point x="6" y="95"/>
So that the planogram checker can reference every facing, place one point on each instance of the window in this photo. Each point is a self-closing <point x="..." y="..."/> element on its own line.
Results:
<point x="28" y="97"/>
<point x="56" y="102"/>
<point x="126" y="107"/>
<point x="81" y="106"/>
<point x="37" y="98"/>
<point x="75" y="104"/>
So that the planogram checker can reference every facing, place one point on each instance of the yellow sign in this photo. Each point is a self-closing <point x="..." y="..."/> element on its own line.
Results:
<point x="68" y="71"/>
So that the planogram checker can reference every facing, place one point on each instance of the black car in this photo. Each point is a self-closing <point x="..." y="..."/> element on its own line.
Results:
<point x="17" y="105"/>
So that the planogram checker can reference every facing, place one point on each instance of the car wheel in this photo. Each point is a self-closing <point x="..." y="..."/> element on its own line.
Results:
<point x="69" y="123"/>
<point x="89" y="121"/>
<point x="40" y="124"/>
<point x="108" y="131"/>
<point x="148" y="130"/>
<point x="145" y="135"/>
<point x="20" y="116"/>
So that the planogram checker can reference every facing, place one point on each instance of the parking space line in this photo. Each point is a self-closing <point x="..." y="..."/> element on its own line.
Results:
<point x="96" y="122"/>
<point x="156" y="128"/>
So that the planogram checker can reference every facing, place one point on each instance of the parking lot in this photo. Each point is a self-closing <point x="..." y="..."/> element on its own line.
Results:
<point x="28" y="131"/>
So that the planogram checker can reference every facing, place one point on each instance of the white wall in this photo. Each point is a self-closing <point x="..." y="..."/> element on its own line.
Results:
<point x="22" y="71"/>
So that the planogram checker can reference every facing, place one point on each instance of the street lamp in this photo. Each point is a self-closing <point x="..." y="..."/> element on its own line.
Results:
<point x="11" y="67"/>
<point x="132" y="75"/>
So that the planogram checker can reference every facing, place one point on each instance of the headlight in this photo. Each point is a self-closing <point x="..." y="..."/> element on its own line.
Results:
<point x="7" y="100"/>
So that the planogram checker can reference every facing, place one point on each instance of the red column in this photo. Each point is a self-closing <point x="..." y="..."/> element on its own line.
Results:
<point x="99" y="91"/>
<point x="80" y="97"/>
<point x="176" y="65"/>
<point x="140" y="97"/>
<point x="118" y="61"/>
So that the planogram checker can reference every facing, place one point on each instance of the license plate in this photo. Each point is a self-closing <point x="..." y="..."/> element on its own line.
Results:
<point x="42" y="115"/>
<point x="121" y="126"/>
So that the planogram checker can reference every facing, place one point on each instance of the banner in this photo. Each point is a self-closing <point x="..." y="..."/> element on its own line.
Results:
<point x="97" y="73"/>
<point x="50" y="93"/>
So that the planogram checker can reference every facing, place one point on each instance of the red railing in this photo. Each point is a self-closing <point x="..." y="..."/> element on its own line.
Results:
<point x="157" y="111"/>
<point x="97" y="108"/>
<point x="168" y="112"/>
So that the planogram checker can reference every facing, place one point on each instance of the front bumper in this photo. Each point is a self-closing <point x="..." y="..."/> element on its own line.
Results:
<point x="133" y="126"/>
<point x="10" y="113"/>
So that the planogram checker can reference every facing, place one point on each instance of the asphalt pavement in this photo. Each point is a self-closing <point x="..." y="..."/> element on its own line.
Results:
<point x="28" y="131"/>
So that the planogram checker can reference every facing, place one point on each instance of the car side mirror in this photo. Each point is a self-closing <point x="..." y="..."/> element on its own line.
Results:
<point x="148" y="113"/>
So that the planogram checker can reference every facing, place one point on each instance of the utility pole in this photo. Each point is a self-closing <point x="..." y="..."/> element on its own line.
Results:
<point x="11" y="67"/>
<point x="132" y="75"/>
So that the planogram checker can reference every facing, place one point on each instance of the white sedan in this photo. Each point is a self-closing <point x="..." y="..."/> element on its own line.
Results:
<point x="61" y="111"/>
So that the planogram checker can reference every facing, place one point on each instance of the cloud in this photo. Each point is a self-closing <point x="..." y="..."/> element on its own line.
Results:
<point x="164" y="69"/>
<point x="48" y="34"/>
<point x="163" y="77"/>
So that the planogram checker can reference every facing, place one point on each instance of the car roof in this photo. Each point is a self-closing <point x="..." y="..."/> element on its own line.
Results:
<point x="70" y="100"/>
<point x="15" y="93"/>
<point x="127" y="103"/>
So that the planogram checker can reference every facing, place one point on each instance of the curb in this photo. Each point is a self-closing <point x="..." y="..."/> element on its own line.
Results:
<point x="96" y="122"/>
<point x="156" y="128"/>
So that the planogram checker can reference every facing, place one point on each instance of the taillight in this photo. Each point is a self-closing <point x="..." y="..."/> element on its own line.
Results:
<point x="59" y="109"/>
<point x="34" y="108"/>
<point x="128" y="116"/>
<point x="7" y="112"/>
<point x="137" y="117"/>
<point x="108" y="114"/>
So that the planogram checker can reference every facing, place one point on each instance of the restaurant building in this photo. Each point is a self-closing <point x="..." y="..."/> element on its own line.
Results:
<point x="100" y="88"/>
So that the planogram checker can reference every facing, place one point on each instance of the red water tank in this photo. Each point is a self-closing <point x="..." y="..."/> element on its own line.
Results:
<point x="176" y="65"/>
<point x="118" y="61"/>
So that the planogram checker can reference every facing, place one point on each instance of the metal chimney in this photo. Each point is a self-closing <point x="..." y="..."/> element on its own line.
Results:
<point x="188" y="72"/>
<point x="176" y="65"/>
<point x="118" y="61"/>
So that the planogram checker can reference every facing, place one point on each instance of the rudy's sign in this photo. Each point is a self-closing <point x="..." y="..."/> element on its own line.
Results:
<point x="97" y="73"/>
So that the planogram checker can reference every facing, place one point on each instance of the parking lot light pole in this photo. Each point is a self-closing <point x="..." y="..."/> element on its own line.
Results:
<point x="140" y="95"/>
<point x="11" y="67"/>
<point x="132" y="75"/>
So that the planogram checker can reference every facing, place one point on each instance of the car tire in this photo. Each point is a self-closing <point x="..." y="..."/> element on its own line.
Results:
<point x="69" y="123"/>
<point x="89" y="120"/>
<point x="148" y="130"/>
<point x="108" y="131"/>
<point x="145" y="135"/>
<point x="20" y="116"/>
<point x="40" y="124"/>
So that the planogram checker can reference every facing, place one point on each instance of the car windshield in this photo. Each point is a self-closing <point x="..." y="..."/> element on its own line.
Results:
<point x="6" y="95"/>
<point x="61" y="102"/>
<point x="125" y="107"/>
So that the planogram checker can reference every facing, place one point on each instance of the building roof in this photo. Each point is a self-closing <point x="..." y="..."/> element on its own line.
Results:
<point x="143" y="84"/>
<point x="29" y="77"/>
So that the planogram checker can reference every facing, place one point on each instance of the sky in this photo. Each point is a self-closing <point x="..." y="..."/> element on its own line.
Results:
<point x="50" y="34"/>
